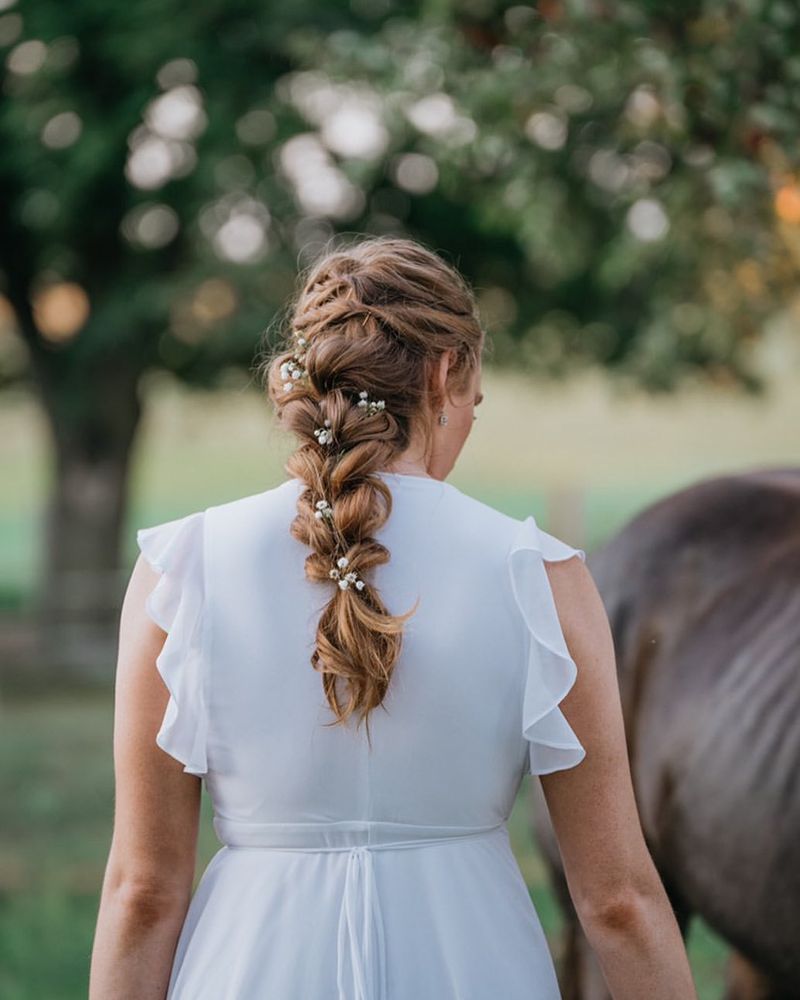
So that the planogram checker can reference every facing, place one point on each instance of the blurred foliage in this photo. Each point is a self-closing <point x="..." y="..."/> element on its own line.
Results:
<point x="616" y="178"/>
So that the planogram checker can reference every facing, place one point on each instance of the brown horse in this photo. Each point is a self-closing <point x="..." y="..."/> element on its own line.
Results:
<point x="702" y="590"/>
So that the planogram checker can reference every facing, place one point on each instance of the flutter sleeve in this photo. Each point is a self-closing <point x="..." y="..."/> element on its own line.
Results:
<point x="175" y="549"/>
<point x="550" y="669"/>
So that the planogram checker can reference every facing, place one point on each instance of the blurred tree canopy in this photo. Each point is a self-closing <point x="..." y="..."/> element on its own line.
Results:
<point x="617" y="179"/>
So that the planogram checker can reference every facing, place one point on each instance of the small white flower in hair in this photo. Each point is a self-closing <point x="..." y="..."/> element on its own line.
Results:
<point x="323" y="434"/>
<point x="347" y="578"/>
<point x="324" y="509"/>
<point x="292" y="371"/>
<point x="371" y="406"/>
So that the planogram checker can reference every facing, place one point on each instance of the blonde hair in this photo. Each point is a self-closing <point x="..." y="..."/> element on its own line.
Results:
<point x="376" y="315"/>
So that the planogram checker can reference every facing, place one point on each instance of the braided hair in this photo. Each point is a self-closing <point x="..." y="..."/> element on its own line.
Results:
<point x="352" y="382"/>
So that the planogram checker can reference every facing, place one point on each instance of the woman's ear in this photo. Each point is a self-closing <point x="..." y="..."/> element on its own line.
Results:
<point x="442" y="368"/>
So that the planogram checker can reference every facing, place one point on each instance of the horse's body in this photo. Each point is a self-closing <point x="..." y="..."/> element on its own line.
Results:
<point x="703" y="594"/>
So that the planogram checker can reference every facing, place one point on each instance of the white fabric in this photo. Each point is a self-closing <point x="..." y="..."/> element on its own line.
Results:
<point x="350" y="871"/>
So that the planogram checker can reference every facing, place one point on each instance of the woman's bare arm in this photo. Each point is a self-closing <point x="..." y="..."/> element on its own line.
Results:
<point x="618" y="894"/>
<point x="150" y="870"/>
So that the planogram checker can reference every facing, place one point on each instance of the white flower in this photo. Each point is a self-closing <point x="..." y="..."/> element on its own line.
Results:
<point x="324" y="509"/>
<point x="344" y="580"/>
<point x="371" y="406"/>
<point x="292" y="371"/>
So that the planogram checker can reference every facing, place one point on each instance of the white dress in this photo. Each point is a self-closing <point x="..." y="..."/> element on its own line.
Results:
<point x="348" y="873"/>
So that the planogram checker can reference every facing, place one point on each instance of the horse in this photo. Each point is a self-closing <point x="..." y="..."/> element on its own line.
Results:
<point x="702" y="591"/>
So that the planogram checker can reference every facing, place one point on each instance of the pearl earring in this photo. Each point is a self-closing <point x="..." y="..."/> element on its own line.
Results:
<point x="442" y="417"/>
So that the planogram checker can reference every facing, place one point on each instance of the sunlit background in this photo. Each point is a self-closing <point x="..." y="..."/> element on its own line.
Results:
<point x="619" y="185"/>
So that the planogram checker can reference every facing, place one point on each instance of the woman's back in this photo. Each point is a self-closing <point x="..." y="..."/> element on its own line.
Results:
<point x="471" y="706"/>
<point x="382" y="869"/>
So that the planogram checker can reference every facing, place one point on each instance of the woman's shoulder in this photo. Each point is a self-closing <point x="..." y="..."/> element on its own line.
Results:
<point x="463" y="512"/>
<point x="471" y="511"/>
<point x="261" y="499"/>
<point x="255" y="520"/>
<point x="237" y="507"/>
<point x="465" y="517"/>
<point x="520" y="533"/>
<point x="253" y="509"/>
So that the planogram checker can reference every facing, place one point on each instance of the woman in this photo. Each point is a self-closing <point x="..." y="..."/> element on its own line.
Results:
<point x="362" y="663"/>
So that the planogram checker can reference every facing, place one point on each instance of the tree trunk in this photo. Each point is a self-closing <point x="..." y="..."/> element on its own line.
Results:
<point x="93" y="426"/>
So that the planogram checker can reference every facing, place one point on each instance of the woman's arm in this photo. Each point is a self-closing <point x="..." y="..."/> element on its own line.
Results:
<point x="150" y="870"/>
<point x="614" y="885"/>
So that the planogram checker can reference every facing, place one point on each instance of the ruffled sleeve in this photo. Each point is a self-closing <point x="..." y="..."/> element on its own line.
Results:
<point x="550" y="670"/>
<point x="175" y="549"/>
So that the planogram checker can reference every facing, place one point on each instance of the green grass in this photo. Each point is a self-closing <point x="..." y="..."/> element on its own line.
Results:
<point x="56" y="781"/>
<point x="579" y="458"/>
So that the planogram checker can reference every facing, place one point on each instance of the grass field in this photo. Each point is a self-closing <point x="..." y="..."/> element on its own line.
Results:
<point x="57" y="785"/>
<point x="580" y="459"/>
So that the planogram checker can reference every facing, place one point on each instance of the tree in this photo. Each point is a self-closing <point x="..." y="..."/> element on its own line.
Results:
<point x="617" y="179"/>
